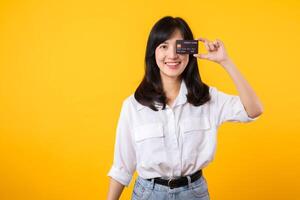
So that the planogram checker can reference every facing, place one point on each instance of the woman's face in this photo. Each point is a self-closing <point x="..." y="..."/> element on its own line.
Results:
<point x="171" y="65"/>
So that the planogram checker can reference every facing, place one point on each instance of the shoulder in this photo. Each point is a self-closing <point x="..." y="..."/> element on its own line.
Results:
<point x="216" y="93"/>
<point x="131" y="103"/>
<point x="213" y="90"/>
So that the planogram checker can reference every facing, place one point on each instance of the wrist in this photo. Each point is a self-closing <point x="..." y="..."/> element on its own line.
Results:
<point x="226" y="63"/>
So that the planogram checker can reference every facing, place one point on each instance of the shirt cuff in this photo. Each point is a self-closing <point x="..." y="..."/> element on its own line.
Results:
<point x="245" y="117"/>
<point x="120" y="175"/>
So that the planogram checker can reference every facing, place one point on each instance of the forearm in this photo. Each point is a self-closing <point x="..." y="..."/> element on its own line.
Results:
<point x="115" y="190"/>
<point x="248" y="97"/>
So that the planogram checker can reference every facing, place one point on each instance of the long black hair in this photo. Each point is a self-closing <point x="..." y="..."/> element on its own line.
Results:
<point x="150" y="89"/>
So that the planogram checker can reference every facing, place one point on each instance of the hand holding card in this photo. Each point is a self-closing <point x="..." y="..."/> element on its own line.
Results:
<point x="216" y="51"/>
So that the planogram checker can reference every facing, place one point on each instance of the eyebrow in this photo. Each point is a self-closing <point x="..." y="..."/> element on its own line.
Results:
<point x="165" y="42"/>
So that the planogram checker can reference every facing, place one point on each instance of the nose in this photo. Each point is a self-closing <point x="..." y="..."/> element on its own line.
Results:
<point x="172" y="52"/>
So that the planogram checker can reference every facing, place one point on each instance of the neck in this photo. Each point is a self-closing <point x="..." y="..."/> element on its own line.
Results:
<point x="171" y="87"/>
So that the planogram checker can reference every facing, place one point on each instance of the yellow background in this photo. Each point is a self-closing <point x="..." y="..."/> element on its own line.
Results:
<point x="66" y="66"/>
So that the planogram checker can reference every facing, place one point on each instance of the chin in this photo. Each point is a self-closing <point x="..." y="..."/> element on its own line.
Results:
<point x="172" y="75"/>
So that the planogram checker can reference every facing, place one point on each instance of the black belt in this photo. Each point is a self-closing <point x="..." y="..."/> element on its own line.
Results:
<point x="175" y="183"/>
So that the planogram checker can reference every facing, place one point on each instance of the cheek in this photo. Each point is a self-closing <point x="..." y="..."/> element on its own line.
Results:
<point x="159" y="57"/>
<point x="185" y="59"/>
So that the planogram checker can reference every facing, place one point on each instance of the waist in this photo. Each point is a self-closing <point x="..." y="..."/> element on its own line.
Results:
<point x="178" y="182"/>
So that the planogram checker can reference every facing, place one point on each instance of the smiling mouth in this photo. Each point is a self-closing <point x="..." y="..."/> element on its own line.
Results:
<point x="172" y="64"/>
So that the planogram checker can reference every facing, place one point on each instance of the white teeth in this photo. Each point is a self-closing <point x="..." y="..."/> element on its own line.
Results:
<point x="173" y="63"/>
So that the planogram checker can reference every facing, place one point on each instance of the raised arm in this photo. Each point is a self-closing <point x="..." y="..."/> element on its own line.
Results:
<point x="217" y="53"/>
<point x="248" y="97"/>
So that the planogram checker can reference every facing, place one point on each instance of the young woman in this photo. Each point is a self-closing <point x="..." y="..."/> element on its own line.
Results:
<point x="167" y="129"/>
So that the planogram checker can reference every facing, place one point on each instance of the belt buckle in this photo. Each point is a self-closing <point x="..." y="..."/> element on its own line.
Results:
<point x="169" y="183"/>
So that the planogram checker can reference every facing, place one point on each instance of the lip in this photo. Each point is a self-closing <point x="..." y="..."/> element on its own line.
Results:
<point x="173" y="65"/>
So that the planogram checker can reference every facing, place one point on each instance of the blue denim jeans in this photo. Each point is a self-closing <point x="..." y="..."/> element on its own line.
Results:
<point x="147" y="190"/>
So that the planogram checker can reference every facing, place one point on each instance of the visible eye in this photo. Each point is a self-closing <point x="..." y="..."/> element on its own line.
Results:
<point x="163" y="46"/>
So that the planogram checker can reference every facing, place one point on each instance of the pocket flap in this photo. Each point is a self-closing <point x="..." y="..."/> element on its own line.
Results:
<point x="148" y="131"/>
<point x="195" y="123"/>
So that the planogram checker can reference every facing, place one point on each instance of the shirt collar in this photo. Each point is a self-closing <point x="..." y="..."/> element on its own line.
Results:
<point x="180" y="99"/>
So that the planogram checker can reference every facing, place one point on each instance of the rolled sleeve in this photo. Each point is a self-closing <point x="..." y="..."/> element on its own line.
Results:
<point x="243" y="116"/>
<point x="228" y="108"/>
<point x="124" y="163"/>
<point x="121" y="175"/>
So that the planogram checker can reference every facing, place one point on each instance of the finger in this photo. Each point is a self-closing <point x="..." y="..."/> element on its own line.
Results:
<point x="202" y="56"/>
<point x="220" y="43"/>
<point x="211" y="46"/>
<point x="208" y="44"/>
<point x="205" y="41"/>
<point x="216" y="45"/>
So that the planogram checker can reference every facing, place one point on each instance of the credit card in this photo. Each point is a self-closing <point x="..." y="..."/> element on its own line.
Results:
<point x="187" y="46"/>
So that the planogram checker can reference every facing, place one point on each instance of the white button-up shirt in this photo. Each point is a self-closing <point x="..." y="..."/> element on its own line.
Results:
<point x="173" y="142"/>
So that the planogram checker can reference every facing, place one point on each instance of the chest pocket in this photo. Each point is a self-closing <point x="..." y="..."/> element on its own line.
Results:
<point x="150" y="144"/>
<point x="148" y="131"/>
<point x="195" y="134"/>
